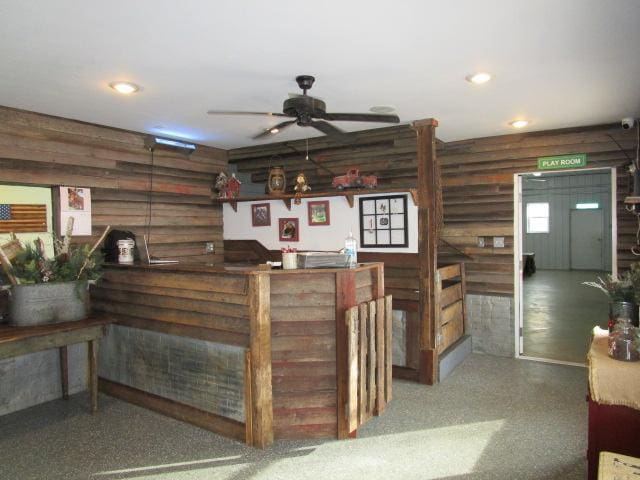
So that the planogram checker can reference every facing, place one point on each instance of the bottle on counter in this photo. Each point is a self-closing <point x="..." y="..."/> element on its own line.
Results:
<point x="351" y="249"/>
<point x="624" y="342"/>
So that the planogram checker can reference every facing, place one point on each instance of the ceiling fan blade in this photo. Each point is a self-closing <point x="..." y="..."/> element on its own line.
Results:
<point x="270" y="130"/>
<point x="233" y="112"/>
<point x="362" y="117"/>
<point x="325" y="128"/>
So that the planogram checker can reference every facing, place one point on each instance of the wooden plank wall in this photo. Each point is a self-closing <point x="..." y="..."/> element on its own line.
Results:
<point x="208" y="306"/>
<point x="478" y="193"/>
<point x="41" y="150"/>
<point x="303" y="356"/>
<point x="477" y="185"/>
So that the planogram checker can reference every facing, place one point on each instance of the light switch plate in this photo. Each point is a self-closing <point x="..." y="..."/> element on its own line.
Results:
<point x="498" y="242"/>
<point x="481" y="242"/>
<point x="210" y="247"/>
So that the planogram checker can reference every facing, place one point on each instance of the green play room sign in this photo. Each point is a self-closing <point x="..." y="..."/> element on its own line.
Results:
<point x="562" y="161"/>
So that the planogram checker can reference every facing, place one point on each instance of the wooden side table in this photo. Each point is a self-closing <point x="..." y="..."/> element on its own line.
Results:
<point x="15" y="341"/>
<point x="614" y="419"/>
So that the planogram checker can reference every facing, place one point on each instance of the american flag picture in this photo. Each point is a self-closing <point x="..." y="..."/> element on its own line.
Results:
<point x="5" y="211"/>
<point x="22" y="218"/>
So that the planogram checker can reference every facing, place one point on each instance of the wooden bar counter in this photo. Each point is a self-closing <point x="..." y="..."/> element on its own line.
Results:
<point x="252" y="354"/>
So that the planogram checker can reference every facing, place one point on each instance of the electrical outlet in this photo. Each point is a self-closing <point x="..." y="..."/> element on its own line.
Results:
<point x="210" y="247"/>
<point x="481" y="242"/>
<point x="498" y="242"/>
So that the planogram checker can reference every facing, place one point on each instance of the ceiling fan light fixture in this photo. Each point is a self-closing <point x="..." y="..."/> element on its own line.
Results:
<point x="478" y="78"/>
<point x="125" y="88"/>
<point x="521" y="123"/>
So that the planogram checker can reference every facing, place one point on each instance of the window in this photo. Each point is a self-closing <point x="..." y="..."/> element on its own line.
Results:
<point x="587" y="206"/>
<point x="383" y="221"/>
<point x="537" y="217"/>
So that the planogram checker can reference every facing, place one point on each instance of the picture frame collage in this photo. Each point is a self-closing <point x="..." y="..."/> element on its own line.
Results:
<point x="318" y="214"/>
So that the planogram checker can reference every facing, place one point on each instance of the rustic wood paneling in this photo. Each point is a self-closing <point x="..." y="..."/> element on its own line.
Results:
<point x="477" y="186"/>
<point x="303" y="354"/>
<point x="478" y="193"/>
<point x="208" y="306"/>
<point x="41" y="150"/>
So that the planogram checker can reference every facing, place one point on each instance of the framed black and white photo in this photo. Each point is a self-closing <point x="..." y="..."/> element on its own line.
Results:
<point x="383" y="222"/>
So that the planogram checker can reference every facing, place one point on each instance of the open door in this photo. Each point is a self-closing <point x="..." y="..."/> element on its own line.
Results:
<point x="519" y="265"/>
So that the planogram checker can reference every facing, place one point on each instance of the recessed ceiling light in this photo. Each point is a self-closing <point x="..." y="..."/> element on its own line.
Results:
<point x="125" y="88"/>
<point x="478" y="78"/>
<point x="382" y="109"/>
<point x="519" y="123"/>
<point x="274" y="130"/>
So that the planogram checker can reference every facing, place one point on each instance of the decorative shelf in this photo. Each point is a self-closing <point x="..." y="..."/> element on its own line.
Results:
<point x="632" y="200"/>
<point x="287" y="197"/>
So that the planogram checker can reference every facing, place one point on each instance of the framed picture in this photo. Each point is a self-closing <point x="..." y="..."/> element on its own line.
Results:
<point x="288" y="230"/>
<point x="318" y="213"/>
<point x="260" y="215"/>
<point x="383" y="221"/>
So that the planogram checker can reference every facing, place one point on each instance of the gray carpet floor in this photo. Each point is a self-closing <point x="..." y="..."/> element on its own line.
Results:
<point x="493" y="418"/>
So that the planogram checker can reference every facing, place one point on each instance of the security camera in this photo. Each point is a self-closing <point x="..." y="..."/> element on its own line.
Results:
<point x="628" y="123"/>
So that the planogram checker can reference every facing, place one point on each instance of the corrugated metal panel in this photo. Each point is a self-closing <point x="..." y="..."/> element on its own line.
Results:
<point x="563" y="193"/>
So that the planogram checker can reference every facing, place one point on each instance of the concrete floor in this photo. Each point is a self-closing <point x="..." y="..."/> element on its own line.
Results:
<point x="492" y="418"/>
<point x="560" y="312"/>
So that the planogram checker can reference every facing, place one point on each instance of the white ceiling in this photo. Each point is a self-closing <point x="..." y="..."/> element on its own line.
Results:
<point x="559" y="63"/>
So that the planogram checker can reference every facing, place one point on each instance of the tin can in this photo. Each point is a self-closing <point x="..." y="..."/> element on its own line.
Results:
<point x="125" y="250"/>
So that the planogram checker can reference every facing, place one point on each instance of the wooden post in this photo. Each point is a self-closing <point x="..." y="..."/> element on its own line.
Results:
<point x="92" y="347"/>
<point x="345" y="299"/>
<point x="64" y="372"/>
<point x="351" y="319"/>
<point x="381" y="356"/>
<point x="428" y="214"/>
<point x="260" y="347"/>
<point x="248" y="400"/>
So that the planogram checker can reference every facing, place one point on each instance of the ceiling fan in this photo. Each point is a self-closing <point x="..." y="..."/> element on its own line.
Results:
<point x="308" y="111"/>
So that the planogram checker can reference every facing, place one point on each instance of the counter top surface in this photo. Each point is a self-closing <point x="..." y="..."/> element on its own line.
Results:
<point x="612" y="382"/>
<point x="233" y="268"/>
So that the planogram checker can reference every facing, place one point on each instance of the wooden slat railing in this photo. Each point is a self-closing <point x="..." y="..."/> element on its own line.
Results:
<point x="449" y="294"/>
<point x="370" y="347"/>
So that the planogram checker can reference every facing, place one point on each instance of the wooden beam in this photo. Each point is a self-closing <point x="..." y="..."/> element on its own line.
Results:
<point x="185" y="413"/>
<point x="428" y="218"/>
<point x="260" y="348"/>
<point x="345" y="299"/>
<point x="248" y="399"/>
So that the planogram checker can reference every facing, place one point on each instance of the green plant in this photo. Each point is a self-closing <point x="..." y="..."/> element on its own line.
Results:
<point x="624" y="288"/>
<point x="32" y="266"/>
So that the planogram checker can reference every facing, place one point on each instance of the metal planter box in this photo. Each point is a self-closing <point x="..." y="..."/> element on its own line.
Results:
<point x="43" y="303"/>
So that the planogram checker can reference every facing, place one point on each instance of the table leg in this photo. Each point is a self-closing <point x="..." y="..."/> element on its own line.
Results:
<point x="93" y="374"/>
<point x="64" y="372"/>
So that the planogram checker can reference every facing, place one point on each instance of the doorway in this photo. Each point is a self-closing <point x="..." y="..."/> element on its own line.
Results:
<point x="564" y="223"/>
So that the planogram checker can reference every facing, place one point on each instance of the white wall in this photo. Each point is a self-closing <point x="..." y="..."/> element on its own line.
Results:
<point x="237" y="225"/>
<point x="553" y="249"/>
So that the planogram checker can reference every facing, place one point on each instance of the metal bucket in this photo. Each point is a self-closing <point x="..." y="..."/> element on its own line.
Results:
<point x="42" y="303"/>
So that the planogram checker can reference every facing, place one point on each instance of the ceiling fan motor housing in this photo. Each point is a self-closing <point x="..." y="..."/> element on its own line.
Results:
<point x="304" y="106"/>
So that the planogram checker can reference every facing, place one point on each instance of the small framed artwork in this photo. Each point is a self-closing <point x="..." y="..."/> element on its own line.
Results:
<point x="383" y="221"/>
<point x="318" y="213"/>
<point x="260" y="215"/>
<point x="288" y="230"/>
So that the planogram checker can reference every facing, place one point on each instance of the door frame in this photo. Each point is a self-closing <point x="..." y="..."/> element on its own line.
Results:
<point x="518" y="248"/>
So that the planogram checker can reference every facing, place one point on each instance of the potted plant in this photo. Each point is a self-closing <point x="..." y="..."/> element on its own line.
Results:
<point x="50" y="290"/>
<point x="623" y="292"/>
